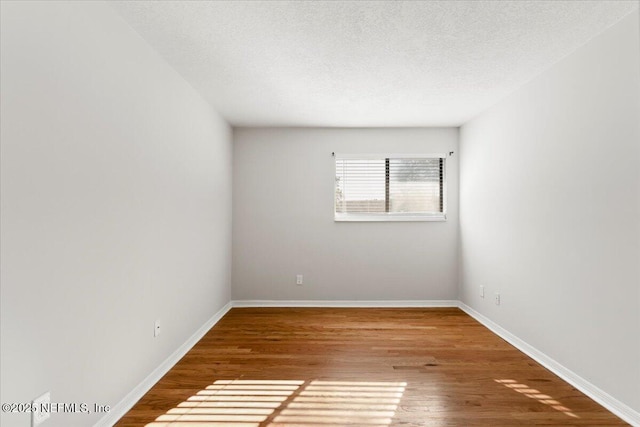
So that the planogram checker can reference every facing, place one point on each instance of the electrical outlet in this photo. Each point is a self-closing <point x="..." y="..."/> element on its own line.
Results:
<point x="481" y="291"/>
<point x="497" y="296"/>
<point x="41" y="409"/>
<point x="299" y="279"/>
<point x="156" y="328"/>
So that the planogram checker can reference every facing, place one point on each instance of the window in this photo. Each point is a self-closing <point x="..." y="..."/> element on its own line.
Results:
<point x="390" y="187"/>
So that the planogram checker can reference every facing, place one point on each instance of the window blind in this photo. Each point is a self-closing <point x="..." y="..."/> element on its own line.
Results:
<point x="389" y="186"/>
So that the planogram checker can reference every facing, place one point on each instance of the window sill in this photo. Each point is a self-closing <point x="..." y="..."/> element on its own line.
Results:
<point x="388" y="218"/>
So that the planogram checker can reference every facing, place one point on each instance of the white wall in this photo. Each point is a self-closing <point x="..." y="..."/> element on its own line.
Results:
<point x="283" y="221"/>
<point x="550" y="212"/>
<point x="116" y="207"/>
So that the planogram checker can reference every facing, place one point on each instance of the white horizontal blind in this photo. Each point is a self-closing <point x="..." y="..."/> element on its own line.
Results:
<point x="389" y="186"/>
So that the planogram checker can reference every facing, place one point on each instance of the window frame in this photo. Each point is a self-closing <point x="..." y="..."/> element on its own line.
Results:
<point x="391" y="216"/>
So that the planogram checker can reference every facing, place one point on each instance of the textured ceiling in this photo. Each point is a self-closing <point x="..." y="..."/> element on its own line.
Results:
<point x="360" y="63"/>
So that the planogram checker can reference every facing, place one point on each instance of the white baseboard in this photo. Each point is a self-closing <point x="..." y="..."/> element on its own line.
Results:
<point x="623" y="411"/>
<point x="134" y="395"/>
<point x="345" y="303"/>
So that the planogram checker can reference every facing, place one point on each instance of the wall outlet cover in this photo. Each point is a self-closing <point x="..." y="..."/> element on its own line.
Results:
<point x="40" y="410"/>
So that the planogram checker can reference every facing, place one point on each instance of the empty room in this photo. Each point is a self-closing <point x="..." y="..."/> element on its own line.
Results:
<point x="320" y="213"/>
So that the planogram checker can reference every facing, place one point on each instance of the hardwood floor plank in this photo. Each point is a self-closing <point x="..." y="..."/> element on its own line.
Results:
<point x="373" y="367"/>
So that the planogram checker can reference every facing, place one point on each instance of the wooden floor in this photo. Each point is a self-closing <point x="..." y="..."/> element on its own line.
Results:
<point x="366" y="367"/>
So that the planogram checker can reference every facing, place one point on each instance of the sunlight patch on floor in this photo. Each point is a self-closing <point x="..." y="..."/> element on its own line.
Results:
<point x="248" y="403"/>
<point x="536" y="395"/>
<point x="343" y="403"/>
